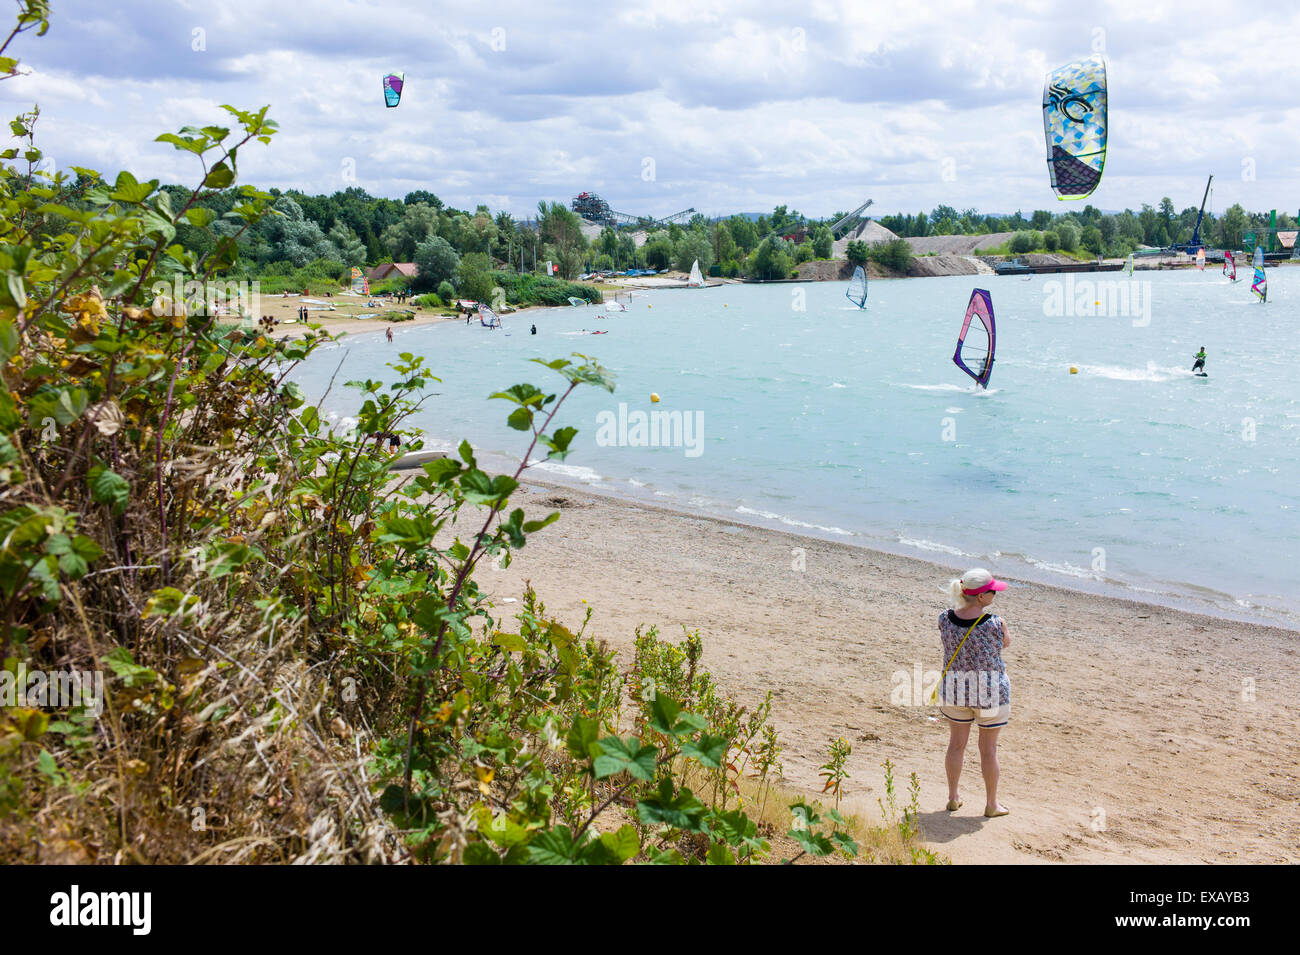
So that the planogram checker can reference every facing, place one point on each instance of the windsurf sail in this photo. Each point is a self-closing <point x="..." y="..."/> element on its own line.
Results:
<point x="1229" y="266"/>
<point x="575" y="302"/>
<point x="393" y="83"/>
<point x="488" y="318"/>
<point x="1075" y="124"/>
<point x="360" y="284"/>
<point x="1128" y="266"/>
<point x="697" y="278"/>
<point x="1259" y="257"/>
<point x="975" y="344"/>
<point x="857" y="290"/>
<point x="1200" y="259"/>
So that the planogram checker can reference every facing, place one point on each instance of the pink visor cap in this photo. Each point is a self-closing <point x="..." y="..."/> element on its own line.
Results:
<point x="991" y="585"/>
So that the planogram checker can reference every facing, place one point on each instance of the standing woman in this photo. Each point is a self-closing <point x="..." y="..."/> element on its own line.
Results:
<point x="974" y="688"/>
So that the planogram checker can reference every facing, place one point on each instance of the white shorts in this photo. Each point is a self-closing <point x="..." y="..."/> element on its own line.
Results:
<point x="988" y="719"/>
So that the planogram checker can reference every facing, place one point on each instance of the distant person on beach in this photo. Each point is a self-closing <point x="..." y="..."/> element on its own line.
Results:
<point x="394" y="442"/>
<point x="974" y="687"/>
<point x="1200" y="360"/>
<point x="389" y="333"/>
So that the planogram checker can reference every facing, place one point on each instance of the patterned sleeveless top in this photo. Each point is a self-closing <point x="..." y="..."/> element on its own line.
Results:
<point x="978" y="664"/>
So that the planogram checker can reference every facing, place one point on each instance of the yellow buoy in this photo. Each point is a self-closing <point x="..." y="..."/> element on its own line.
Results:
<point x="1073" y="370"/>
<point x="654" y="398"/>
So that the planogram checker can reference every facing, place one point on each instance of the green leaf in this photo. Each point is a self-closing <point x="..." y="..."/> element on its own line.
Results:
<point x="719" y="854"/>
<point x="107" y="487"/>
<point x="666" y="717"/>
<point x="480" y="853"/>
<point x="552" y="848"/>
<point x="707" y="750"/>
<point x="628" y="756"/>
<point x="582" y="738"/>
<point x="509" y="641"/>
<point x="678" y="810"/>
<point x="624" y="844"/>
<point x="219" y="177"/>
<point x="127" y="189"/>
<point x="521" y="419"/>
<point x="672" y="857"/>
<point x="845" y="843"/>
<point x="127" y="670"/>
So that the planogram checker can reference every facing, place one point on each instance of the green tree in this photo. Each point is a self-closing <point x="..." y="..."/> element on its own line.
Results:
<point x="822" y="241"/>
<point x="856" y="252"/>
<point x="1068" y="236"/>
<point x="435" y="262"/>
<point x="474" y="277"/>
<point x="693" y="246"/>
<point x="1091" y="239"/>
<point x="419" y="221"/>
<point x="771" y="260"/>
<point x="352" y="251"/>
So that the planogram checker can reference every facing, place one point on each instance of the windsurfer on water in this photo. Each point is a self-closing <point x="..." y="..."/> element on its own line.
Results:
<point x="1200" y="360"/>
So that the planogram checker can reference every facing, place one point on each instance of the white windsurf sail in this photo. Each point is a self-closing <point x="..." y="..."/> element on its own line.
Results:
<point x="1128" y="266"/>
<point x="857" y="290"/>
<point x="697" y="278"/>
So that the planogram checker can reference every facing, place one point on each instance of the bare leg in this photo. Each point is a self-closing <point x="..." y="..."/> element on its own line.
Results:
<point x="989" y="767"/>
<point x="958" y="734"/>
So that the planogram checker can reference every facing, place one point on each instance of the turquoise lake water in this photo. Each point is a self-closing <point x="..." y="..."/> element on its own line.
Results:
<point x="1132" y="476"/>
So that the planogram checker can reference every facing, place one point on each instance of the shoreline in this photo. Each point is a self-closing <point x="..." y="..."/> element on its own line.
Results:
<point x="1121" y="710"/>
<point x="1022" y="568"/>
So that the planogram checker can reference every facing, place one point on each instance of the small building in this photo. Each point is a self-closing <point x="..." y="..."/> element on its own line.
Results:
<point x="391" y="270"/>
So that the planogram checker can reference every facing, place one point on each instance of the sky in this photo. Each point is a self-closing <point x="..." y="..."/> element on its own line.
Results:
<point x="664" y="105"/>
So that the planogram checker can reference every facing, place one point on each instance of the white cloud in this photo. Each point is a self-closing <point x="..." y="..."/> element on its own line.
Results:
<point x="741" y="105"/>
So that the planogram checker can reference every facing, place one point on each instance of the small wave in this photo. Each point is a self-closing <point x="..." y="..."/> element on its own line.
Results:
<point x="935" y="387"/>
<point x="952" y="410"/>
<point x="568" y="470"/>
<point x="1067" y="569"/>
<point x="836" y="384"/>
<point x="933" y="546"/>
<point x="1152" y="372"/>
<point x="791" y="522"/>
<point x="635" y="483"/>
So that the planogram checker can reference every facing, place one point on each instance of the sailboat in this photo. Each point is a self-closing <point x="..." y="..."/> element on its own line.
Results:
<point x="974" y="354"/>
<point x="857" y="290"/>
<point x="697" y="278"/>
<point x="1229" y="265"/>
<point x="1260" y="283"/>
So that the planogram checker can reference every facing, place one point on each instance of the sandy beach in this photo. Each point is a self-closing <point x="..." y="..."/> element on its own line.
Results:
<point x="1138" y="734"/>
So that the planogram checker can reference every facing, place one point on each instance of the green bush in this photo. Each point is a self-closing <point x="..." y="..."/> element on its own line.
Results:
<point x="895" y="254"/>
<point x="1068" y="236"/>
<point x="1051" y="241"/>
<point x="447" y="292"/>
<point x="1022" y="242"/>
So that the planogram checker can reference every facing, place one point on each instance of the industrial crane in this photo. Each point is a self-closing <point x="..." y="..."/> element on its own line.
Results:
<point x="1192" y="247"/>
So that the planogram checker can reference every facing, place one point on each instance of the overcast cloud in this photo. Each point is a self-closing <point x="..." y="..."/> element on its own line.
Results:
<point x="661" y="105"/>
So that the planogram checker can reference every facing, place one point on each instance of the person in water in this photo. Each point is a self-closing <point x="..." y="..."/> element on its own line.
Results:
<point x="1200" y="360"/>
<point x="534" y="330"/>
<point x="974" y="687"/>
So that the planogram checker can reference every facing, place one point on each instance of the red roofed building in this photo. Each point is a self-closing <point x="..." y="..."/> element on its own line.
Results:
<point x="391" y="270"/>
